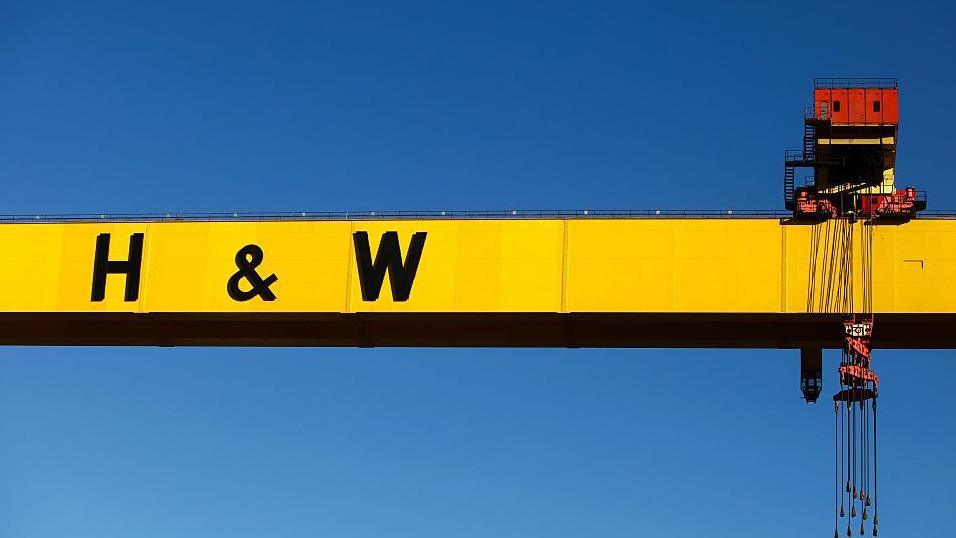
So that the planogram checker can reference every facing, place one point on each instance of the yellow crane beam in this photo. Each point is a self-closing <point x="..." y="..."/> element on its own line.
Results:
<point x="648" y="282"/>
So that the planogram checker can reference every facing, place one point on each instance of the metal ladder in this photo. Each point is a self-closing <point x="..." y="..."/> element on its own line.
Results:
<point x="789" y="174"/>
<point x="809" y="141"/>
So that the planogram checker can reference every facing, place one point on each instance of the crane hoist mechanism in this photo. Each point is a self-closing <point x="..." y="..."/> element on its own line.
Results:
<point x="849" y="150"/>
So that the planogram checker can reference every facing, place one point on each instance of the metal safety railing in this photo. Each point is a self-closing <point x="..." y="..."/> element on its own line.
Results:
<point x="794" y="156"/>
<point x="399" y="215"/>
<point x="855" y="82"/>
<point x="816" y="113"/>
<point x="515" y="214"/>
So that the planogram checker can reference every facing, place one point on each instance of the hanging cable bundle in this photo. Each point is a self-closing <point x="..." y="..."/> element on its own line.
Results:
<point x="855" y="412"/>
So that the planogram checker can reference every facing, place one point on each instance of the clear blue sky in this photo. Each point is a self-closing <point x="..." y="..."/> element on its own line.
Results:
<point x="239" y="106"/>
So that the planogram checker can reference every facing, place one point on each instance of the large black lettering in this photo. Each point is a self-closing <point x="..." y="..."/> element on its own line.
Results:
<point x="389" y="257"/>
<point x="247" y="259"/>
<point x="102" y="266"/>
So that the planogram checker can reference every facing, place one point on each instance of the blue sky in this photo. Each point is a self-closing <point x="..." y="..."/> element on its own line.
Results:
<point x="242" y="106"/>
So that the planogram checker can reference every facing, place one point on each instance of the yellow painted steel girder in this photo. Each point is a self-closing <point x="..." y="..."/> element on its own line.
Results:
<point x="565" y="282"/>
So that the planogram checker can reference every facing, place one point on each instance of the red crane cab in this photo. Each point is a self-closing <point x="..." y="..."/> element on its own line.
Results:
<point x="857" y="106"/>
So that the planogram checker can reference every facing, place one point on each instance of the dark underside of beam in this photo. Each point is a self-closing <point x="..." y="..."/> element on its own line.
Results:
<point x="646" y="330"/>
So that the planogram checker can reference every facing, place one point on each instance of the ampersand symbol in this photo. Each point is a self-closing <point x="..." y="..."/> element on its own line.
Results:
<point x="247" y="259"/>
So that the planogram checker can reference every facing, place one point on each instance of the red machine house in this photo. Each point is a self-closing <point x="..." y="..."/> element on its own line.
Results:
<point x="850" y="137"/>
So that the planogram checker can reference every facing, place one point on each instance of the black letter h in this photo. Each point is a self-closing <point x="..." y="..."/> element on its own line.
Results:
<point x="102" y="266"/>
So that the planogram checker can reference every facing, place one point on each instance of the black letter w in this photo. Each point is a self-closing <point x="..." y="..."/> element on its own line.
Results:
<point x="389" y="256"/>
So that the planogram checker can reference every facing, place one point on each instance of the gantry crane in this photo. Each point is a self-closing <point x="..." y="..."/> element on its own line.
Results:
<point x="796" y="278"/>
